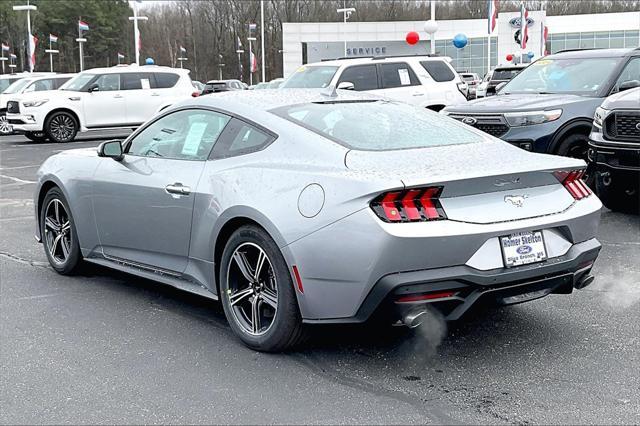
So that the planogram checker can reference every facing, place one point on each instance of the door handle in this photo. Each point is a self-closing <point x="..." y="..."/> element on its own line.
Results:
<point x="418" y="94"/>
<point x="117" y="96"/>
<point x="177" y="189"/>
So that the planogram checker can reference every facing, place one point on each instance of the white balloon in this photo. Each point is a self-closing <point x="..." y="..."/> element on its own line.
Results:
<point x="430" y="27"/>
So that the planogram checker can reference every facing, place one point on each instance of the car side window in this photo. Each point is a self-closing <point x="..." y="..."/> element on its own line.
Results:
<point x="136" y="80"/>
<point x="363" y="77"/>
<point x="438" y="70"/>
<point x="39" y="86"/>
<point x="630" y="72"/>
<point x="241" y="138"/>
<point x="57" y="82"/>
<point x="398" y="75"/>
<point x="164" y="80"/>
<point x="182" y="135"/>
<point x="108" y="82"/>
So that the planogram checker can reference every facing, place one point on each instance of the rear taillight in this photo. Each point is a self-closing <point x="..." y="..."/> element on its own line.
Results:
<point x="412" y="205"/>
<point x="195" y="94"/>
<point x="572" y="180"/>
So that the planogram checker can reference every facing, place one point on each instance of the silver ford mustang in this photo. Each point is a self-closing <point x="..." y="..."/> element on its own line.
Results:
<point x="296" y="207"/>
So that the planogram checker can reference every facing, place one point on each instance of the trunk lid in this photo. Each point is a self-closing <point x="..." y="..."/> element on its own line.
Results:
<point x="486" y="182"/>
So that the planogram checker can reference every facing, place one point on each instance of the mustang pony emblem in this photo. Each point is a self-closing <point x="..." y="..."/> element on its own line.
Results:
<point x="516" y="200"/>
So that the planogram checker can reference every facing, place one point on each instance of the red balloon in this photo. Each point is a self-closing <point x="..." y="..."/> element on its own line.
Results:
<point x="509" y="57"/>
<point x="412" y="37"/>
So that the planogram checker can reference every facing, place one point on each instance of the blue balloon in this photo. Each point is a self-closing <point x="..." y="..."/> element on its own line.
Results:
<point x="149" y="61"/>
<point x="460" y="41"/>
<point x="531" y="55"/>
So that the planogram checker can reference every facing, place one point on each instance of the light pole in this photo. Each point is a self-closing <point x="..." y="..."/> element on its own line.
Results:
<point x="136" y="31"/>
<point x="51" y="51"/>
<point x="431" y="26"/>
<point x="262" y="51"/>
<point x="28" y="7"/>
<point x="250" y="39"/>
<point x="346" y="12"/>
<point x="220" y="66"/>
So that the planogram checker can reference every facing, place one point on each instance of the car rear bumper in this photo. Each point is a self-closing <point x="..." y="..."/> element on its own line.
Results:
<point x="470" y="286"/>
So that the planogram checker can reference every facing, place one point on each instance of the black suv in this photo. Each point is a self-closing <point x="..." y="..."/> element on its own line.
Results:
<point x="614" y="151"/>
<point x="549" y="106"/>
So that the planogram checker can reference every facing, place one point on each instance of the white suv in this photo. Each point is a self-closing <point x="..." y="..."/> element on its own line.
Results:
<point x="426" y="81"/>
<point x="31" y="83"/>
<point x="98" y="99"/>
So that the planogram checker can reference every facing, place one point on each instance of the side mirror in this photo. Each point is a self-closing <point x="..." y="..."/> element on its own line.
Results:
<point x="111" y="149"/>
<point x="629" y="84"/>
<point x="93" y="88"/>
<point x="500" y="86"/>
<point x="346" y="85"/>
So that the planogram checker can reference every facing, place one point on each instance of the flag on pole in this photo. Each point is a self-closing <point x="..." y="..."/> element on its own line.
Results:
<point x="545" y="35"/>
<point x="83" y="26"/>
<point x="253" y="62"/>
<point x="492" y="15"/>
<point x="12" y="56"/>
<point x="33" y="42"/>
<point x="524" y="16"/>
<point x="5" y="47"/>
<point x="183" y="50"/>
<point x="53" y="38"/>
<point x="120" y="55"/>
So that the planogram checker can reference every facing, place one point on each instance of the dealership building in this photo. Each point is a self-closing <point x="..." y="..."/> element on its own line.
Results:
<point x="313" y="42"/>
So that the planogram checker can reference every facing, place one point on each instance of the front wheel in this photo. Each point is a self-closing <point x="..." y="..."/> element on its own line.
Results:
<point x="59" y="235"/>
<point x="257" y="292"/>
<point x="61" y="126"/>
<point x="619" y="192"/>
<point x="5" y="127"/>
<point x="574" y="146"/>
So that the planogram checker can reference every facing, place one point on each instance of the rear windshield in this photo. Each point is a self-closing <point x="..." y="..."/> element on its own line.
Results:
<point x="306" y="77"/>
<point x="507" y="74"/>
<point x="379" y="125"/>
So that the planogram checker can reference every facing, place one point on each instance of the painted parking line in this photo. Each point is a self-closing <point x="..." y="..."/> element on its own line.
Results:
<point x="15" y="179"/>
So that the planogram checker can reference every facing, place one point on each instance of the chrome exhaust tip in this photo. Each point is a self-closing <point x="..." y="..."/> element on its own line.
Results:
<point x="414" y="319"/>
<point x="584" y="281"/>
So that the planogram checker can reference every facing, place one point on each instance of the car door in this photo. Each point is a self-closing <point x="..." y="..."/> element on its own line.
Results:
<point x="400" y="82"/>
<point x="141" y="100"/>
<point x="143" y="204"/>
<point x="104" y="107"/>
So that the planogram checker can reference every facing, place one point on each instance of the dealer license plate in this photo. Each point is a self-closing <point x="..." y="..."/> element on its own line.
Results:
<point x="523" y="248"/>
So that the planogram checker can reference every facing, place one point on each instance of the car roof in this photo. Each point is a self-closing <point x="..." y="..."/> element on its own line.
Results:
<point x="376" y="59"/>
<point x="593" y="53"/>
<point x="48" y="76"/>
<point x="135" y="68"/>
<point x="271" y="99"/>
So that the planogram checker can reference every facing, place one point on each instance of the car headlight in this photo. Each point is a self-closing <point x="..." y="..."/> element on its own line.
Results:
<point x="599" y="116"/>
<point x="517" y="119"/>
<point x="35" y="104"/>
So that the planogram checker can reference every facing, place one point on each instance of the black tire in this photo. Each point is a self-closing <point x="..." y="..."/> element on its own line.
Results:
<point x="618" y="194"/>
<point x="285" y="328"/>
<point x="574" y="145"/>
<point x="4" y="124"/>
<point x="36" y="136"/>
<point x="61" y="127"/>
<point x="65" y="257"/>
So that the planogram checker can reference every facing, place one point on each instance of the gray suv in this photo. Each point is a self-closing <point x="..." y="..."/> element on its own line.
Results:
<point x="614" y="151"/>
<point x="549" y="106"/>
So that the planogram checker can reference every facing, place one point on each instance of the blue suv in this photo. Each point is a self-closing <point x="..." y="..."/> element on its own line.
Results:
<point x="549" y="106"/>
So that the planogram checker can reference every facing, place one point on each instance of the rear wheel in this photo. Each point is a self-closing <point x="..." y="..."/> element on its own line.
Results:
<point x="618" y="192"/>
<point x="61" y="126"/>
<point x="59" y="235"/>
<point x="5" y="127"/>
<point x="36" y="136"/>
<point x="257" y="292"/>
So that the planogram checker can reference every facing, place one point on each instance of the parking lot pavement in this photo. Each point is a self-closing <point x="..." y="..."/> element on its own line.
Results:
<point x="111" y="348"/>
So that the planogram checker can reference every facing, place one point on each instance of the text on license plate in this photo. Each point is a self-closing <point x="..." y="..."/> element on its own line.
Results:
<point x="523" y="248"/>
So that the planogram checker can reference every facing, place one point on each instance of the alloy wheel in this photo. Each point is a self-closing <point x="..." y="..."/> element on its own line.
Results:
<point x="62" y="127"/>
<point x="57" y="230"/>
<point x="5" y="127"/>
<point x="252" y="289"/>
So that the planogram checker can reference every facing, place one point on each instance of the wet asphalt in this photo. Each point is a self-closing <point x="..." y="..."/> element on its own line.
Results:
<point x="106" y="347"/>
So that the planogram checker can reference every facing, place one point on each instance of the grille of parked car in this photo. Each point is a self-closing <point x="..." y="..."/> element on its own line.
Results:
<point x="623" y="126"/>
<point x="492" y="124"/>
<point x="13" y="107"/>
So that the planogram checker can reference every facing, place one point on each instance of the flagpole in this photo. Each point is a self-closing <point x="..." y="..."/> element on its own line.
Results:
<point x="50" y="54"/>
<point x="2" y="59"/>
<point x="262" y="52"/>
<point x="80" y="41"/>
<point x="250" y="65"/>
